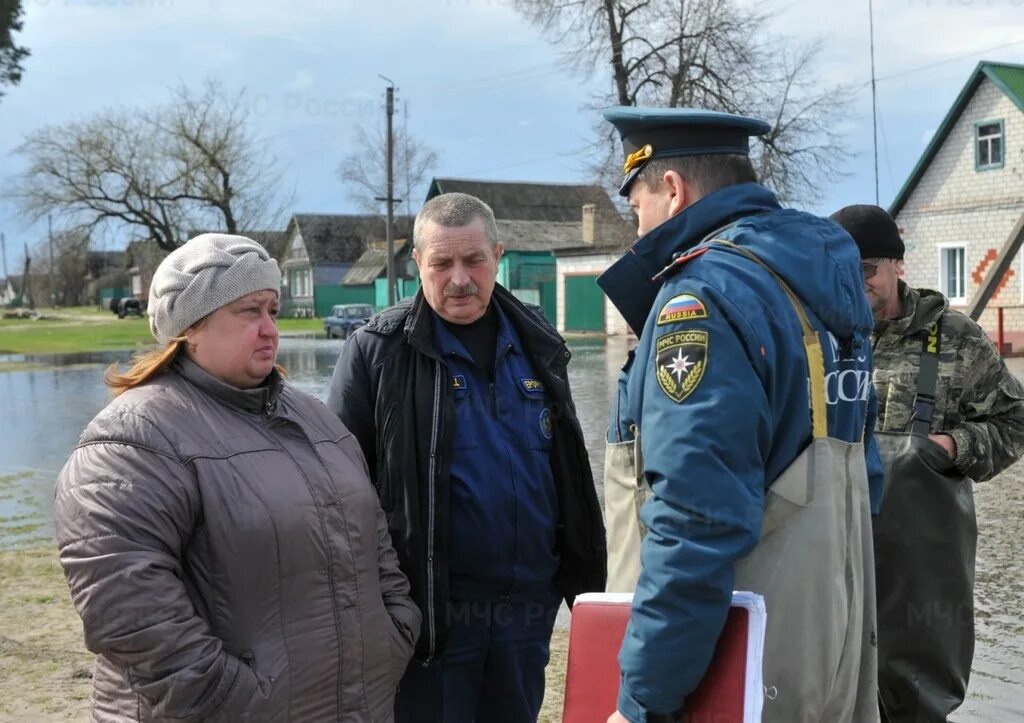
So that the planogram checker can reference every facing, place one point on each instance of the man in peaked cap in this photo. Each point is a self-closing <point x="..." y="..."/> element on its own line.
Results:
<point x="950" y="414"/>
<point x="744" y="417"/>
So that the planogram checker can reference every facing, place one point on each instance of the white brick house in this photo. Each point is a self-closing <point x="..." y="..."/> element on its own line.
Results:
<point x="965" y="194"/>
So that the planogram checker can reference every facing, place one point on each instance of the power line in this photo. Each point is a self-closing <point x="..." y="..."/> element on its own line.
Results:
<point x="505" y="85"/>
<point x="531" y="162"/>
<point x="936" y="64"/>
<point x="502" y="76"/>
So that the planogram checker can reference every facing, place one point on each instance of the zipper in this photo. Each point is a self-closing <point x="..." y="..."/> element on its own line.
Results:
<point x="431" y="495"/>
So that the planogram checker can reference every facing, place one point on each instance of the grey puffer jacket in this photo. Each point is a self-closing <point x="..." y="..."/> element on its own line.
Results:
<point x="230" y="559"/>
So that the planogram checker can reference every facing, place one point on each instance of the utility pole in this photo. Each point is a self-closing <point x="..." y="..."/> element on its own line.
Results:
<point x="26" y="283"/>
<point x="3" y="247"/>
<point x="390" y="233"/>
<point x="53" y="288"/>
<point x="874" y="96"/>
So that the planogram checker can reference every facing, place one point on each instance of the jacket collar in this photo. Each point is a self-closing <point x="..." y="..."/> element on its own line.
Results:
<point x="449" y="344"/>
<point x="537" y="339"/>
<point x="630" y="284"/>
<point x="256" y="400"/>
<point x="918" y="310"/>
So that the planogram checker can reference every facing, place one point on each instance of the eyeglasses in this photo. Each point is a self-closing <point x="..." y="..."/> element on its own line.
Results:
<point x="869" y="267"/>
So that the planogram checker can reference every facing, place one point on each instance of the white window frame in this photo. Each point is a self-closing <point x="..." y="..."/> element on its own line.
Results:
<point x="301" y="288"/>
<point x="297" y="247"/>
<point x="943" y="248"/>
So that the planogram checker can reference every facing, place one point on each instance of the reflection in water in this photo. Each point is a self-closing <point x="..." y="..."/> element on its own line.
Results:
<point x="45" y="411"/>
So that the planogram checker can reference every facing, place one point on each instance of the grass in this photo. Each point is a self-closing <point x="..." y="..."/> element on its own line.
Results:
<point x="297" y="325"/>
<point x="83" y="329"/>
<point x="66" y="336"/>
<point x="44" y="666"/>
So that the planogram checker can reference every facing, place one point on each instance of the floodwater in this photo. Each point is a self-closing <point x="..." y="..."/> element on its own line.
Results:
<point x="45" y="409"/>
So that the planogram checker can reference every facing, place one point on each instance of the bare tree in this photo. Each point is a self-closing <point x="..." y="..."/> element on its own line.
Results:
<point x="364" y="170"/>
<point x="711" y="54"/>
<point x="191" y="164"/>
<point x="70" y="265"/>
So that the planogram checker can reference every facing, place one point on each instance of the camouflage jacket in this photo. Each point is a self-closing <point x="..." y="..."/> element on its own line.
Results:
<point x="977" y="401"/>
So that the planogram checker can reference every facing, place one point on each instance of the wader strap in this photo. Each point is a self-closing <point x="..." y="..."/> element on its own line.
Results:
<point x="812" y="347"/>
<point x="927" y="381"/>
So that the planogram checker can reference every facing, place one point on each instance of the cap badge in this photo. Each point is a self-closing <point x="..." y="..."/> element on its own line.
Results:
<point x="635" y="158"/>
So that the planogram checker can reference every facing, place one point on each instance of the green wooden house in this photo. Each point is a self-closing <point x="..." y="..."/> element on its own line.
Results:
<point x="370" y="269"/>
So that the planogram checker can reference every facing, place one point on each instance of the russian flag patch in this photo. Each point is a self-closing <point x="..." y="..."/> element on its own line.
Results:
<point x="684" y="307"/>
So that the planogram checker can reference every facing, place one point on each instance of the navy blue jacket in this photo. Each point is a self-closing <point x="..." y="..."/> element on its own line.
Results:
<point x="504" y="508"/>
<point x="718" y="387"/>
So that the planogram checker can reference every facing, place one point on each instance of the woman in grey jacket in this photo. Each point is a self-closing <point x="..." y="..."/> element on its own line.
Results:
<point x="218" y="530"/>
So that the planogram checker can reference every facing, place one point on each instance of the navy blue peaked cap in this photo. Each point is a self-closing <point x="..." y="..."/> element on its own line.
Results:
<point x="668" y="132"/>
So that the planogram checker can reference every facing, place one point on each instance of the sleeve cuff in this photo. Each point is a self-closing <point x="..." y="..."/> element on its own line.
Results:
<point x="630" y="707"/>
<point x="963" y="448"/>
<point x="635" y="712"/>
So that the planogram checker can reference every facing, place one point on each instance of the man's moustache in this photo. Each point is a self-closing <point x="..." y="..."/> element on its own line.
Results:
<point x="460" y="291"/>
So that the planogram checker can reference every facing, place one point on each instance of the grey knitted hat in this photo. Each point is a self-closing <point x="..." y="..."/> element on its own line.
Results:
<point x="204" y="274"/>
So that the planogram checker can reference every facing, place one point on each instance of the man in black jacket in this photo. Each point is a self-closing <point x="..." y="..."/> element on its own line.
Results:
<point x="460" y="400"/>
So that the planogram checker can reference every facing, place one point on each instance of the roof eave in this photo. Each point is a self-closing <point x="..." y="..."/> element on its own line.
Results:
<point x="952" y="115"/>
<point x="984" y="69"/>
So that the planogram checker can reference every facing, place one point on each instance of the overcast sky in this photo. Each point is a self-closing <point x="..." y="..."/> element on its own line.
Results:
<point x="481" y="86"/>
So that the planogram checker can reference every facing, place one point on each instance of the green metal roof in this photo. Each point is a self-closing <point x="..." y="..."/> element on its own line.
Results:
<point x="1008" y="77"/>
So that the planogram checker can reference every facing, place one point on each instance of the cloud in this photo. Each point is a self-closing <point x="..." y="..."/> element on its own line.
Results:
<point x="303" y="80"/>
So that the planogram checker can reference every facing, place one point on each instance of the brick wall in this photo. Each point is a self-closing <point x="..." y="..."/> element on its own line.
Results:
<point x="955" y="204"/>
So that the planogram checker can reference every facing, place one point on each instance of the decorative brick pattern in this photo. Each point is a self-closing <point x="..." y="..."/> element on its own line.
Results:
<point x="979" y="271"/>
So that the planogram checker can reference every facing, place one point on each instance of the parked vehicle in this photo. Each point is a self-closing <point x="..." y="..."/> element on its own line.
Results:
<point x="346" y="318"/>
<point x="127" y="306"/>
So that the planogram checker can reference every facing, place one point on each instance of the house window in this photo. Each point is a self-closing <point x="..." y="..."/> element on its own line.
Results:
<point x="297" y="249"/>
<point x="299" y="283"/>
<point x="989" y="145"/>
<point x="951" y="273"/>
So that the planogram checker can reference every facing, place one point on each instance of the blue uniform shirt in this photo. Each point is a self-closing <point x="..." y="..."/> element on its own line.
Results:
<point x="504" y="506"/>
<point x="718" y="388"/>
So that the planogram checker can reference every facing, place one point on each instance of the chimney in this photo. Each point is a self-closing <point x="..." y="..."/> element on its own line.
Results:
<point x="589" y="212"/>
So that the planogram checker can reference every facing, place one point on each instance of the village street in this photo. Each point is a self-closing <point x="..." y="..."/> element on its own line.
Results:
<point x="44" y="669"/>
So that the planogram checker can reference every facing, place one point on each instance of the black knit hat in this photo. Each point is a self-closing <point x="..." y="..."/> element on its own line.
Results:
<point x="873" y="229"/>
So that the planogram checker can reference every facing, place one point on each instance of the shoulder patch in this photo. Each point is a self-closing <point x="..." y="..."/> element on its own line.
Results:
<point x="684" y="307"/>
<point x="458" y="381"/>
<point x="681" y="358"/>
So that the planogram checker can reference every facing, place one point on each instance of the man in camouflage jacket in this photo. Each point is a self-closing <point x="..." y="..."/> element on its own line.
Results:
<point x="978" y="403"/>
<point x="949" y="414"/>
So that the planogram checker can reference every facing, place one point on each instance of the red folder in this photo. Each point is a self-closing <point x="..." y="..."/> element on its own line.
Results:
<point x="731" y="691"/>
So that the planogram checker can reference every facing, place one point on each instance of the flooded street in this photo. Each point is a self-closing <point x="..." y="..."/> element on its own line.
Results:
<point x="46" y="409"/>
